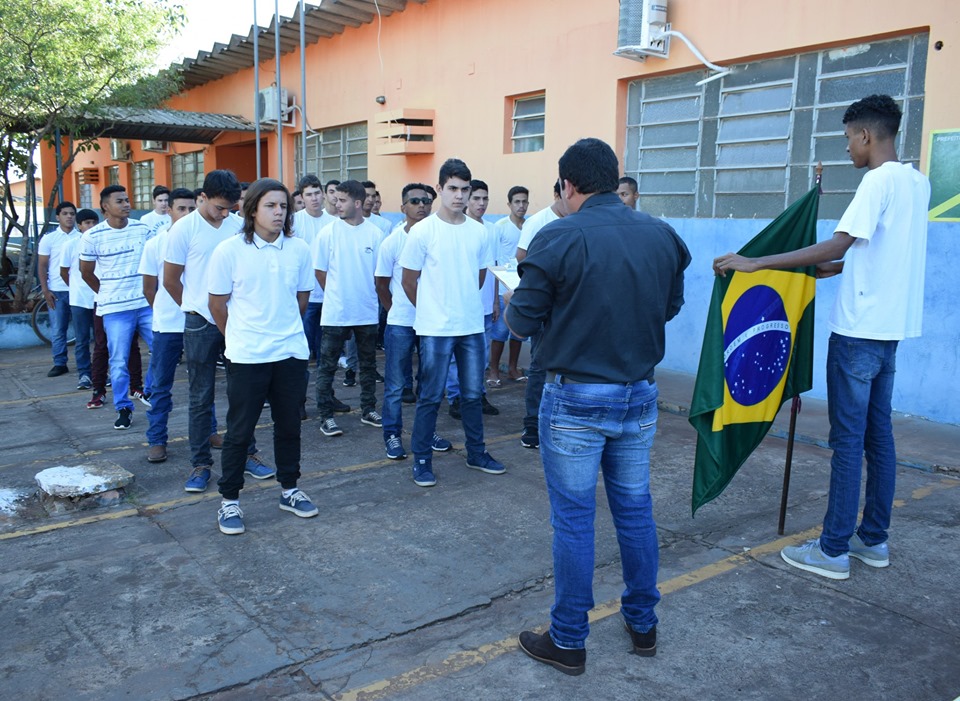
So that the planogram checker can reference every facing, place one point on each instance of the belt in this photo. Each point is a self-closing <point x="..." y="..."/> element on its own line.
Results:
<point x="561" y="379"/>
<point x="194" y="313"/>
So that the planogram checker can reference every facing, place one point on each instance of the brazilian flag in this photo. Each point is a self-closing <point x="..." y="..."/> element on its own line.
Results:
<point x="757" y="351"/>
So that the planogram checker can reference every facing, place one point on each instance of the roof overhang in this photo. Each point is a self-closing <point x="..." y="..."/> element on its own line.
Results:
<point x="322" y="21"/>
<point x="160" y="125"/>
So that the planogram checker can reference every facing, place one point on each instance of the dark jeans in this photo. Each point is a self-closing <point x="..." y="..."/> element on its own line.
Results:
<point x="99" y="360"/>
<point x="59" y="325"/>
<point x="330" y="345"/>
<point x="312" y="328"/>
<point x="284" y="384"/>
<point x="83" y="330"/>
<point x="534" y="389"/>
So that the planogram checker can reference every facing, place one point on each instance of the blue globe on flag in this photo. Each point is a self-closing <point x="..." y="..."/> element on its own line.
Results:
<point x="756" y="345"/>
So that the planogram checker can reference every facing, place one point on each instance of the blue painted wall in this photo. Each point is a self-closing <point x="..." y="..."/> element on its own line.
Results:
<point x="928" y="367"/>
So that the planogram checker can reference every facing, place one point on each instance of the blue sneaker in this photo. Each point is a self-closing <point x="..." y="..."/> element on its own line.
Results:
<point x="440" y="445"/>
<point x="873" y="555"/>
<point x="423" y="474"/>
<point x="258" y="469"/>
<point x="485" y="463"/>
<point x="811" y="558"/>
<point x="198" y="480"/>
<point x="299" y="504"/>
<point x="230" y="519"/>
<point x="395" y="449"/>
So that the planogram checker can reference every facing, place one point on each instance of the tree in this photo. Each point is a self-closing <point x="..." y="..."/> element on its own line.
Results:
<point x="64" y="61"/>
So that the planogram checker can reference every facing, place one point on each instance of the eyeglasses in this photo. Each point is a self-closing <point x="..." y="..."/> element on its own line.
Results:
<point x="419" y="200"/>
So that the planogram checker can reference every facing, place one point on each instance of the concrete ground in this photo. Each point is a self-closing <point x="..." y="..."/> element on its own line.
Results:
<point x="398" y="592"/>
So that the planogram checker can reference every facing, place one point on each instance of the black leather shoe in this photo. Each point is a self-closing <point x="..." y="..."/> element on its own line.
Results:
<point x="488" y="408"/>
<point x="58" y="370"/>
<point x="644" y="644"/>
<point x="339" y="407"/>
<point x="542" y="649"/>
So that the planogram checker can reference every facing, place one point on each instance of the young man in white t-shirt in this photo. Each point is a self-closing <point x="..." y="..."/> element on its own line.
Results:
<point x="628" y="191"/>
<point x="476" y="208"/>
<point x="159" y="217"/>
<point x="370" y="198"/>
<point x="509" y="230"/>
<point x="55" y="292"/>
<point x="444" y="262"/>
<point x="259" y="285"/>
<point x="81" y="298"/>
<point x="399" y="336"/>
<point x="167" y="328"/>
<point x="109" y="256"/>
<point x="189" y="247"/>
<point x="345" y="259"/>
<point x="879" y="246"/>
<point x="530" y="438"/>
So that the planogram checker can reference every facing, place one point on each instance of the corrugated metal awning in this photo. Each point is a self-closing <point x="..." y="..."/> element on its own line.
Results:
<point x="321" y="21"/>
<point x="161" y="125"/>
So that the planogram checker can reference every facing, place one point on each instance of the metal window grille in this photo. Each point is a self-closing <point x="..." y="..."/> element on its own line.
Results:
<point x="337" y="153"/>
<point x="529" y="122"/>
<point x="186" y="170"/>
<point x="143" y="185"/>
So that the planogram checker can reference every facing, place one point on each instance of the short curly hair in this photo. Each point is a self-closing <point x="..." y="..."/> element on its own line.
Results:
<point x="878" y="111"/>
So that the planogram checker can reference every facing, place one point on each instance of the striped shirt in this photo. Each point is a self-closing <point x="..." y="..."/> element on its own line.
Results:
<point x="117" y="254"/>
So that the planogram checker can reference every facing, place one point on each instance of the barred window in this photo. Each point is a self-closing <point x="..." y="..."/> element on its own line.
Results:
<point x="337" y="153"/>
<point x="143" y="185"/>
<point x="529" y="123"/>
<point x="746" y="145"/>
<point x="113" y="175"/>
<point x="186" y="170"/>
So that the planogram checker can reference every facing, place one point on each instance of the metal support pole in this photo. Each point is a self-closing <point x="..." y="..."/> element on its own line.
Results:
<point x="59" y="153"/>
<point x="280" y="105"/>
<point x="256" y="83"/>
<point x="303" y="92"/>
<point x="794" y="410"/>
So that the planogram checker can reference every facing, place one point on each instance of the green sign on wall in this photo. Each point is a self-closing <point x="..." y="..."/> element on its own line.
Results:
<point x="944" y="173"/>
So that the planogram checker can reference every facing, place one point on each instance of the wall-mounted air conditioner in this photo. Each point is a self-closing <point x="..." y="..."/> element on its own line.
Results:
<point x="119" y="150"/>
<point x="273" y="110"/>
<point x="151" y="145"/>
<point x="641" y="29"/>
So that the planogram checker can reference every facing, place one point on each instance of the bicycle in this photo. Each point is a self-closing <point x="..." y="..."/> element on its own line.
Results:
<point x="40" y="319"/>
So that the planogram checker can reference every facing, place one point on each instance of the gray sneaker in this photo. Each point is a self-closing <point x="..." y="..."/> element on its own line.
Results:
<point x="872" y="555"/>
<point x="811" y="558"/>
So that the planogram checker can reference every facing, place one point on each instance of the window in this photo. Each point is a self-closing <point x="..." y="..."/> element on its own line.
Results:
<point x="113" y="175"/>
<point x="186" y="170"/>
<point x="338" y="153"/>
<point x="529" y="117"/>
<point x="86" y="195"/>
<point x="143" y="185"/>
<point x="746" y="145"/>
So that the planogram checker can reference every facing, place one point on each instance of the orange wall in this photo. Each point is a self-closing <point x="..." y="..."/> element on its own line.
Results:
<point x="463" y="59"/>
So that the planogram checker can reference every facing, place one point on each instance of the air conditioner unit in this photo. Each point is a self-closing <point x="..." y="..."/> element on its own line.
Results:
<point x="269" y="109"/>
<point x="641" y="29"/>
<point x="150" y="145"/>
<point x="119" y="150"/>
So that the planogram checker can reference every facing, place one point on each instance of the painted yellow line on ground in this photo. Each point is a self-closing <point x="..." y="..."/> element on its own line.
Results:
<point x="484" y="654"/>
<point x="159" y="507"/>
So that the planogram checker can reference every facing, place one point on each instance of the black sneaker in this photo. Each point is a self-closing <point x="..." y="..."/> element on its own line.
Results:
<point x="455" y="408"/>
<point x="380" y="378"/>
<point x="350" y="379"/>
<point x="124" y="419"/>
<point x="644" y="644"/>
<point x="543" y="649"/>
<point x="408" y="397"/>
<point x="488" y="408"/>
<point x="530" y="438"/>
<point x="339" y="407"/>
<point x="58" y="370"/>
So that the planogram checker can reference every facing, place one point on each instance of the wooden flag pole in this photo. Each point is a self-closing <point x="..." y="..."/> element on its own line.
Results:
<point x="791" y="435"/>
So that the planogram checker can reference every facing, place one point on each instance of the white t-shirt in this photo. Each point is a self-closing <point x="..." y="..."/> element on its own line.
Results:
<point x="508" y="235"/>
<point x="80" y="293"/>
<point x="51" y="244"/>
<point x="382" y="223"/>
<point x="881" y="287"/>
<point x="155" y="221"/>
<point x="449" y="258"/>
<point x="488" y="293"/>
<point x="262" y="279"/>
<point x="167" y="316"/>
<point x="307" y="227"/>
<point x="348" y="255"/>
<point x="401" y="313"/>
<point x="532" y="226"/>
<point x="191" y="242"/>
<point x="117" y="253"/>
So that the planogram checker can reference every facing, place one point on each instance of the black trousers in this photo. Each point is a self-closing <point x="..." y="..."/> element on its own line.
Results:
<point x="330" y="347"/>
<point x="284" y="383"/>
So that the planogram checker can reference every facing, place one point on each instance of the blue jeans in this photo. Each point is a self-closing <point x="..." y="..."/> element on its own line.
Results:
<point x="435" y="352"/>
<point x="83" y="330"/>
<point x="59" y="323"/>
<point x="120" y="327"/>
<point x="312" y="328"/>
<point x="453" y="382"/>
<point x="584" y="427"/>
<point x="859" y="390"/>
<point x="398" y="348"/>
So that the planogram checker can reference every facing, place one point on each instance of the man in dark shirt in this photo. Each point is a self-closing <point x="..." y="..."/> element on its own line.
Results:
<point x="604" y="281"/>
